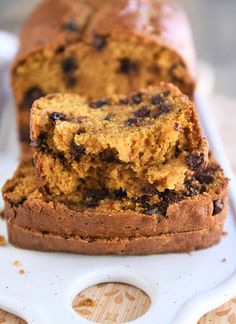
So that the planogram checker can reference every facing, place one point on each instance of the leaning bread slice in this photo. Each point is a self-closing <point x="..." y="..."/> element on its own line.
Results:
<point x="146" y="142"/>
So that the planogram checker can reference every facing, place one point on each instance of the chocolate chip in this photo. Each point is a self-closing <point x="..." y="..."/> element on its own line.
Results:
<point x="163" y="109"/>
<point x="71" y="82"/>
<point x="60" y="49"/>
<point x="131" y="122"/>
<point x="41" y="142"/>
<point x="56" y="116"/>
<point x="143" y="199"/>
<point x="108" y="117"/>
<point x="204" y="178"/>
<point x="142" y="112"/>
<point x="77" y="151"/>
<point x="152" y="210"/>
<point x="69" y="65"/>
<point x="99" y="103"/>
<point x="194" y="161"/>
<point x="61" y="157"/>
<point x="99" y="42"/>
<point x="168" y="197"/>
<point x="128" y="67"/>
<point x="119" y="194"/>
<point x="136" y="98"/>
<point x="92" y="197"/>
<point x="192" y="189"/>
<point x="31" y="95"/>
<point x="218" y="206"/>
<point x="156" y="100"/>
<point x="71" y="25"/>
<point x="124" y="101"/>
<point x="109" y="156"/>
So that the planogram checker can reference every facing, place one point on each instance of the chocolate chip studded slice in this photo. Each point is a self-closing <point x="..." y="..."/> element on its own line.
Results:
<point x="56" y="116"/>
<point x="99" y="42"/>
<point x="194" y="161"/>
<point x="69" y="65"/>
<point x="31" y="95"/>
<point x="128" y="67"/>
<point x="218" y="206"/>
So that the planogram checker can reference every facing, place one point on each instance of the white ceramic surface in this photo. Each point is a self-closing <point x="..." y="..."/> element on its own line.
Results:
<point x="182" y="287"/>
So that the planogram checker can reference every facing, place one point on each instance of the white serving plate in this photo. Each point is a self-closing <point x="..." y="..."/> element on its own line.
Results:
<point x="182" y="287"/>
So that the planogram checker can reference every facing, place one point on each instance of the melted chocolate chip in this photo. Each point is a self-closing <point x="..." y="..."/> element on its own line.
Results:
<point x="137" y="98"/>
<point x="41" y="141"/>
<point x="99" y="42"/>
<point x="71" y="25"/>
<point x="31" y="95"/>
<point x="204" y="178"/>
<point x="128" y="67"/>
<point x="56" y="116"/>
<point x="168" y="197"/>
<point x="142" y="112"/>
<point x="194" y="161"/>
<point x="156" y="100"/>
<point x="60" y="49"/>
<point x="92" y="197"/>
<point x="131" y="122"/>
<point x="77" y="151"/>
<point x="163" y="109"/>
<point x="109" y="156"/>
<point x="152" y="210"/>
<point x="61" y="157"/>
<point x="71" y="82"/>
<point x="119" y="194"/>
<point x="124" y="101"/>
<point x="218" y="206"/>
<point x="69" y="65"/>
<point x="99" y="103"/>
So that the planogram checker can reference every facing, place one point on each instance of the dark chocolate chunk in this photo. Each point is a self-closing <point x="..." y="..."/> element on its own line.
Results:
<point x="61" y="157"/>
<point x="124" y="101"/>
<point x="142" y="112"/>
<point x="99" y="103"/>
<point x="69" y="65"/>
<point x="71" y="82"/>
<point x="152" y="210"/>
<point x="204" y="178"/>
<point x="131" y="122"/>
<point x="92" y="197"/>
<point x="31" y="95"/>
<point x="218" y="206"/>
<point x="195" y="161"/>
<point x="157" y="99"/>
<point x="71" y="25"/>
<point x="99" y="42"/>
<point x="163" y="109"/>
<point x="109" y="156"/>
<point x="136" y="98"/>
<point x="143" y="199"/>
<point x="128" y="67"/>
<point x="56" y="116"/>
<point x="60" y="49"/>
<point x="119" y="194"/>
<point x="41" y="141"/>
<point x="77" y="151"/>
<point x="168" y="197"/>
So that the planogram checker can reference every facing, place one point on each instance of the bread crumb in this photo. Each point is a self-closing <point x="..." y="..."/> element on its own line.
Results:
<point x="87" y="302"/>
<point x="223" y="260"/>
<point x="16" y="263"/>
<point x="21" y="271"/>
<point x="224" y="233"/>
<point x="2" y="240"/>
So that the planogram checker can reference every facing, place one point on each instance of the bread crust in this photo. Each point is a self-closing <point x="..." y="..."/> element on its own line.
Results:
<point x="140" y="245"/>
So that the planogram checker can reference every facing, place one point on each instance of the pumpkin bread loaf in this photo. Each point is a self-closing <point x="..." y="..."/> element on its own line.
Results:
<point x="96" y="222"/>
<point x="100" y="48"/>
<point x="141" y="143"/>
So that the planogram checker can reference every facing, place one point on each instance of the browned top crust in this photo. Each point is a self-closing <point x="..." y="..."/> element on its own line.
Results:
<point x="50" y="24"/>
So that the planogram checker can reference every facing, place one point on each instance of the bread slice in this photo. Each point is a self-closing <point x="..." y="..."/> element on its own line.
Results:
<point x="179" y="222"/>
<point x="97" y="48"/>
<point x="149" y="141"/>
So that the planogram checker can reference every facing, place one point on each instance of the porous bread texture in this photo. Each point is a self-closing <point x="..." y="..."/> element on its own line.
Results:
<point x="100" y="48"/>
<point x="148" y="141"/>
